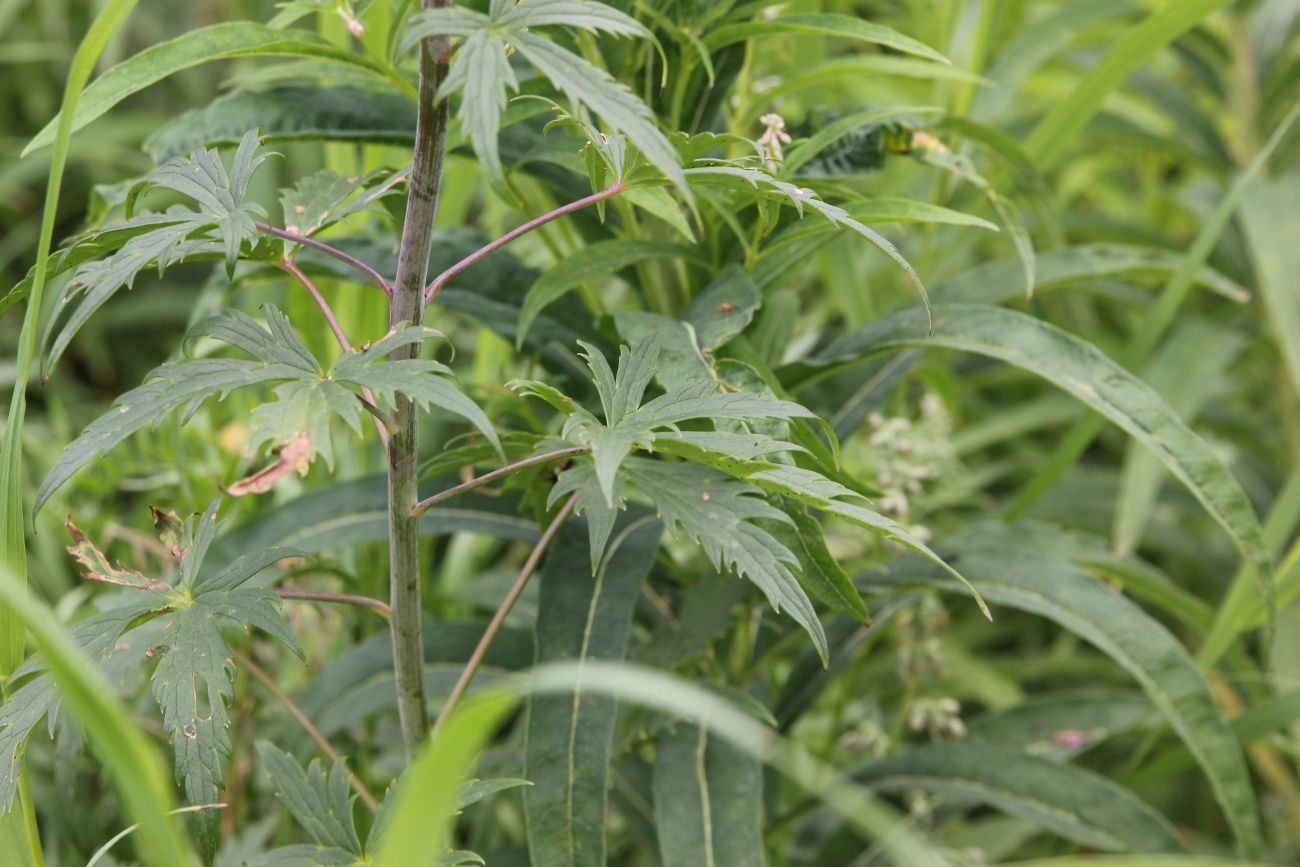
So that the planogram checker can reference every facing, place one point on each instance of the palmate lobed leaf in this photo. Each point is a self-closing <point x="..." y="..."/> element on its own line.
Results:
<point x="481" y="72"/>
<point x="192" y="681"/>
<point x="223" y="222"/>
<point x="311" y="397"/>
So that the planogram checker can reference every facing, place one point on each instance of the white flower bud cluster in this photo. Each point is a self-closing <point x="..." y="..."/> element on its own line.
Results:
<point x="907" y="455"/>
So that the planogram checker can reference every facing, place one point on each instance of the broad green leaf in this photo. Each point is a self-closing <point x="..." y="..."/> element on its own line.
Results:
<point x="720" y="514"/>
<point x="131" y="760"/>
<point x="1080" y="369"/>
<point x="1270" y="214"/>
<point x="723" y="309"/>
<point x="708" y="800"/>
<point x="821" y="24"/>
<point x="655" y="689"/>
<point x="217" y="42"/>
<point x="321" y="804"/>
<point x="590" y="262"/>
<point x="1022" y="566"/>
<point x="289" y="112"/>
<point x="569" y="736"/>
<point x="1186" y="372"/>
<point x="1077" y="804"/>
<point x="1059" y="128"/>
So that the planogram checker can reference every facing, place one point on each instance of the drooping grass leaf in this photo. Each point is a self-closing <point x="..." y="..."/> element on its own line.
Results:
<point x="216" y="42"/>
<point x="569" y="736"/>
<point x="1077" y="804"/>
<point x="1080" y="369"/>
<point x="1023" y="566"/>
<point x="708" y="800"/>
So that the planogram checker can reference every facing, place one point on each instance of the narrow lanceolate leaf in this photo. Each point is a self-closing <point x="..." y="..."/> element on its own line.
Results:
<point x="568" y="751"/>
<point x="995" y="282"/>
<point x="815" y="24"/>
<point x="708" y="800"/>
<point x="1080" y="369"/>
<point x="481" y="72"/>
<point x="820" y="573"/>
<point x="1026" y="567"/>
<point x="1077" y="804"/>
<point x="218" y="42"/>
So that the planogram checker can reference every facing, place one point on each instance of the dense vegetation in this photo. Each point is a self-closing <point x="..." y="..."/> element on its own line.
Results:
<point x="556" y="432"/>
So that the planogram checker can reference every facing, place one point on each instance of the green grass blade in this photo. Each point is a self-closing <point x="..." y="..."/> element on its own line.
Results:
<point x="1057" y="131"/>
<point x="418" y="829"/>
<point x="13" y="551"/>
<point x="133" y="763"/>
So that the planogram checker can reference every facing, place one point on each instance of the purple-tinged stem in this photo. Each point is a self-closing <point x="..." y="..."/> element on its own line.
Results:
<point x="375" y="276"/>
<point x="424" y="505"/>
<point x="431" y="291"/>
<point x="379" y="607"/>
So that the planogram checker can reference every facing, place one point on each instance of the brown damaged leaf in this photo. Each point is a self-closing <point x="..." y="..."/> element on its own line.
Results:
<point x="98" y="568"/>
<point x="295" y="455"/>
<point x="169" y="529"/>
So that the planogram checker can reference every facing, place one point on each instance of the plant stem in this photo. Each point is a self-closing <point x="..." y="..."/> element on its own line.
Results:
<point x="424" y="505"/>
<point x="380" y="608"/>
<point x="431" y="292"/>
<point x="407" y="305"/>
<point x="375" y="276"/>
<point x="339" y="335"/>
<point x="305" y="721"/>
<point x="502" y="612"/>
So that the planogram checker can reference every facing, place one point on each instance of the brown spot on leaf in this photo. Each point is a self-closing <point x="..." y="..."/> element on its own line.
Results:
<point x="726" y="308"/>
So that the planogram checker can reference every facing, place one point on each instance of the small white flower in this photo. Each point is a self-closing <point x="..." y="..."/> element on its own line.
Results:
<point x="773" y="137"/>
